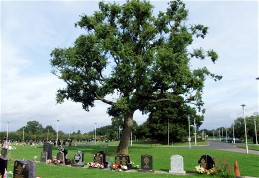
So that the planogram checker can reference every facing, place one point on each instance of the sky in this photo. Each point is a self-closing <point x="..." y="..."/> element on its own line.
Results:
<point x="30" y="30"/>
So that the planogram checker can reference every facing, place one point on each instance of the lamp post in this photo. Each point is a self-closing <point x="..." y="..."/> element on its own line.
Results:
<point x="168" y="132"/>
<point x="189" y="138"/>
<point x="234" y="140"/>
<point x="57" y="133"/>
<point x="195" y="133"/>
<point x="7" y="131"/>
<point x="94" y="133"/>
<point x="243" y="106"/>
<point x="256" y="141"/>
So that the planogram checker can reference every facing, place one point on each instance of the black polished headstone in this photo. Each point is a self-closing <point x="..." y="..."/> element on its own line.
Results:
<point x="123" y="159"/>
<point x="146" y="163"/>
<point x="24" y="169"/>
<point x="48" y="148"/>
<point x="3" y="165"/>
<point x="206" y="162"/>
<point x="100" y="157"/>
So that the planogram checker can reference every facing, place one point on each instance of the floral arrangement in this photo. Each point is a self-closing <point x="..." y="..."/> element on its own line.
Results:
<point x="95" y="165"/>
<point x="201" y="170"/>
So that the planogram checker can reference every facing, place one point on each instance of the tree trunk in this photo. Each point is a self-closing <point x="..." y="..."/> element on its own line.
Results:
<point x="126" y="132"/>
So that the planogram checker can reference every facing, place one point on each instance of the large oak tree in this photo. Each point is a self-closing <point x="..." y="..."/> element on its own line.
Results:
<point x="138" y="58"/>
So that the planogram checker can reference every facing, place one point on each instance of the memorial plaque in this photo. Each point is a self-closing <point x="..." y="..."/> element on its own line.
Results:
<point x="3" y="165"/>
<point x="4" y="152"/>
<point x="24" y="169"/>
<point x="48" y="148"/>
<point x="177" y="166"/>
<point x="206" y="161"/>
<point x="147" y="163"/>
<point x="44" y="157"/>
<point x="78" y="159"/>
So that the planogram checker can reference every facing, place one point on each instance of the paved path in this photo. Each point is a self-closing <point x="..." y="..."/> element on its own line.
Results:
<point x="217" y="145"/>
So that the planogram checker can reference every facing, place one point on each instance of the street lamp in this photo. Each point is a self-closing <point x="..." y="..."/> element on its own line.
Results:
<point x="189" y="138"/>
<point x="95" y="133"/>
<point x="243" y="106"/>
<point x="234" y="140"/>
<point x="195" y="134"/>
<point x="168" y="139"/>
<point x="57" y="134"/>
<point x="256" y="141"/>
<point x="7" y="130"/>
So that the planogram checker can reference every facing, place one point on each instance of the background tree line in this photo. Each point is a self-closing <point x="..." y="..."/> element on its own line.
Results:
<point x="154" y="129"/>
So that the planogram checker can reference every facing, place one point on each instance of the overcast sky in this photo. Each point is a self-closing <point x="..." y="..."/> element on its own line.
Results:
<point x="30" y="30"/>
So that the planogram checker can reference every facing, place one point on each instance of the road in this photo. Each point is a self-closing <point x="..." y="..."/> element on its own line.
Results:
<point x="217" y="145"/>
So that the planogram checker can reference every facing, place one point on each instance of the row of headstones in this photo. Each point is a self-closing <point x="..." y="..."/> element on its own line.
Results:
<point x="177" y="164"/>
<point x="25" y="169"/>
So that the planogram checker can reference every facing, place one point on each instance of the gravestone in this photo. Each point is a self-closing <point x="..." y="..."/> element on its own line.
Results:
<point x="24" y="169"/>
<point x="177" y="166"/>
<point x="61" y="157"/>
<point x="206" y="161"/>
<point x="123" y="160"/>
<point x="147" y="163"/>
<point x="100" y="158"/>
<point x="78" y="160"/>
<point x="44" y="157"/>
<point x="4" y="152"/>
<point x="3" y="165"/>
<point x="48" y="148"/>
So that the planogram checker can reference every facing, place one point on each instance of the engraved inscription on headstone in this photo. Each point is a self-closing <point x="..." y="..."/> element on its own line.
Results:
<point x="146" y="163"/>
<point x="177" y="166"/>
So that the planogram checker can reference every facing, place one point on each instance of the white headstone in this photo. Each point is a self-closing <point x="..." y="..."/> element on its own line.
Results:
<point x="177" y="166"/>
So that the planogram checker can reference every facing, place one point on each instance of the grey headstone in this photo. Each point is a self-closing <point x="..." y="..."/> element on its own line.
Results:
<point x="61" y="157"/>
<point x="78" y="160"/>
<point x="24" y="169"/>
<point x="44" y="157"/>
<point x="4" y="152"/>
<point x="177" y="166"/>
<point x="48" y="148"/>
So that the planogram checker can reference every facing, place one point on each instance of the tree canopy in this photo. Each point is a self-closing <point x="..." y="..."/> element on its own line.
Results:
<point x="138" y="58"/>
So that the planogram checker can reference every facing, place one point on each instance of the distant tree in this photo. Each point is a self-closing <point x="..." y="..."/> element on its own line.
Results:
<point x="32" y="127"/>
<point x="140" y="58"/>
<point x="49" y="129"/>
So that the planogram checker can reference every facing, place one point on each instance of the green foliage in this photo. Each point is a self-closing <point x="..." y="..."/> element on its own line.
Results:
<point x="132" y="54"/>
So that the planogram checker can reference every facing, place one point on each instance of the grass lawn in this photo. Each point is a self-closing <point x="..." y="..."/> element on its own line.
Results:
<point x="248" y="164"/>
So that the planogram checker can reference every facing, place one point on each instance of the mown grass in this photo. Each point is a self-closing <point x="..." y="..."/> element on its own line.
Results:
<point x="248" y="164"/>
